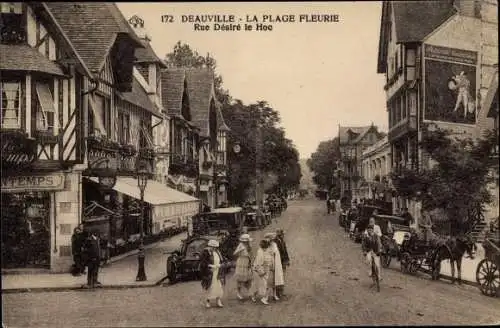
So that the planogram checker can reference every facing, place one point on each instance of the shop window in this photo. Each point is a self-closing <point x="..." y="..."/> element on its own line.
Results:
<point x="45" y="114"/>
<point x="11" y="105"/>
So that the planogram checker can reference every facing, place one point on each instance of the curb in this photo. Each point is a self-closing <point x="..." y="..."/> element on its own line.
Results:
<point x="446" y="277"/>
<point x="80" y="288"/>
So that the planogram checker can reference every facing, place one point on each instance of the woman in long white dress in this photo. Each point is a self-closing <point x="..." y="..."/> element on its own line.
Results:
<point x="243" y="271"/>
<point x="277" y="280"/>
<point x="212" y="273"/>
<point x="262" y="266"/>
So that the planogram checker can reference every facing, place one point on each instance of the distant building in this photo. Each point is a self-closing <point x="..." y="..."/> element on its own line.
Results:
<point x="376" y="167"/>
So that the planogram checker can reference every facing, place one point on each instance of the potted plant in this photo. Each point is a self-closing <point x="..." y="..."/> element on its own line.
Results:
<point x="148" y="153"/>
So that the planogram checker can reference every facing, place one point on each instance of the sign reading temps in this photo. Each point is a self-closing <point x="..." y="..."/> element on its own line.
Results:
<point x="33" y="183"/>
<point x="450" y="84"/>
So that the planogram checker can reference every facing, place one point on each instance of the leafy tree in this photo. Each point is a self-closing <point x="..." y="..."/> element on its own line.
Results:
<point x="323" y="163"/>
<point x="456" y="183"/>
<point x="279" y="156"/>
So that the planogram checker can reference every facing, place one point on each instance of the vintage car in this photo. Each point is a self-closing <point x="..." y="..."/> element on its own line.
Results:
<point x="185" y="262"/>
<point x="223" y="224"/>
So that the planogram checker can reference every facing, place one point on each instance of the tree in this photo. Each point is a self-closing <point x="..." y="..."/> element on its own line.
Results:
<point x="458" y="181"/>
<point x="323" y="163"/>
<point x="279" y="156"/>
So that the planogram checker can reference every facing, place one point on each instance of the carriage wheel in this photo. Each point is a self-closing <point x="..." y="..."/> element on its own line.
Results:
<point x="415" y="264"/>
<point x="405" y="262"/>
<point x="171" y="271"/>
<point x="488" y="277"/>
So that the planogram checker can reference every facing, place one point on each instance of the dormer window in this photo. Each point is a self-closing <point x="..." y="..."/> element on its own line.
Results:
<point x="12" y="29"/>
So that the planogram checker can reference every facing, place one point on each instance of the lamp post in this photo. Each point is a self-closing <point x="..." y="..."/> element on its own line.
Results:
<point x="142" y="181"/>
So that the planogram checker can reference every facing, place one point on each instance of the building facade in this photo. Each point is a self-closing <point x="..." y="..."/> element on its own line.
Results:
<point x="352" y="141"/>
<point x="376" y="169"/>
<point x="433" y="72"/>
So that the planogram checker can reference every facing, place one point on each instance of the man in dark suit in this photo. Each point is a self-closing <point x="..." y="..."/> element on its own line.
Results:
<point x="93" y="259"/>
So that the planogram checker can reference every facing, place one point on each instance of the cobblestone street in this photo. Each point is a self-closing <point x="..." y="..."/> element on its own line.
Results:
<point x="327" y="283"/>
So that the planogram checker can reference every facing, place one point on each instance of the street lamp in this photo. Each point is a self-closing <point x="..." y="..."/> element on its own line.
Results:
<point x="142" y="181"/>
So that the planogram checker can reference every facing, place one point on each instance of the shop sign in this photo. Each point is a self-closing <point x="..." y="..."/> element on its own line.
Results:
<point x="204" y="188"/>
<point x="34" y="182"/>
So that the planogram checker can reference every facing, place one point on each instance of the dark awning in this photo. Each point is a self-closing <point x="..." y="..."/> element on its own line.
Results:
<point x="24" y="58"/>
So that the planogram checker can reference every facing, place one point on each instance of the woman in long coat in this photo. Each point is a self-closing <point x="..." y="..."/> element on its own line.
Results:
<point x="277" y="279"/>
<point x="212" y="271"/>
<point x="262" y="266"/>
<point x="243" y="271"/>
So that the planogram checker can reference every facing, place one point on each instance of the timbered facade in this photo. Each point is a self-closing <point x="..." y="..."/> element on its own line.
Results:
<point x="41" y="82"/>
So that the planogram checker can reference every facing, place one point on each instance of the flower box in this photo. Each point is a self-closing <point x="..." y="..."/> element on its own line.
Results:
<point x="128" y="150"/>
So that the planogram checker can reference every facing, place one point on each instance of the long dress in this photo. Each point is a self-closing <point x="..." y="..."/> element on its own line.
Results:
<point x="278" y="279"/>
<point x="262" y="267"/>
<point x="215" y="290"/>
<point x="243" y="270"/>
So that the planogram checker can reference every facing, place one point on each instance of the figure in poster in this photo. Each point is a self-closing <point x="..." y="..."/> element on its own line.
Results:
<point x="461" y="84"/>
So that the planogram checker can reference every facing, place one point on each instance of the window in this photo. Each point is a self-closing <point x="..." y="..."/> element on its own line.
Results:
<point x="45" y="119"/>
<point x="11" y="105"/>
<point x="124" y="128"/>
<point x="13" y="29"/>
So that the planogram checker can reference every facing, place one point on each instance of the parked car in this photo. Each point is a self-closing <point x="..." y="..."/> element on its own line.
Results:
<point x="223" y="224"/>
<point x="365" y="212"/>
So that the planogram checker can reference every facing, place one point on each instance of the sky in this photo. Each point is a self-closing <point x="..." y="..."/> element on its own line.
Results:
<point x="316" y="75"/>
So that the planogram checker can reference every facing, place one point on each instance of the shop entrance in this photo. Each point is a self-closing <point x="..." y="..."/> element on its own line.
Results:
<point x="25" y="230"/>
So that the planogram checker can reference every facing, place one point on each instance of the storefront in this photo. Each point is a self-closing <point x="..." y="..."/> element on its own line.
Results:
<point x="27" y="214"/>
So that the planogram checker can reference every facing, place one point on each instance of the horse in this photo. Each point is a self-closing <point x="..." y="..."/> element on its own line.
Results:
<point x="454" y="250"/>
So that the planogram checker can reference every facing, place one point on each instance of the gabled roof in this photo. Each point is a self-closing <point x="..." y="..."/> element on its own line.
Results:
<point x="92" y="28"/>
<point x="344" y="131"/>
<point x="413" y="21"/>
<point x="172" y="89"/>
<point x="200" y="82"/>
<point x="25" y="58"/>
<point x="148" y="55"/>
<point x="139" y="97"/>
<point x="221" y="124"/>
<point x="363" y="134"/>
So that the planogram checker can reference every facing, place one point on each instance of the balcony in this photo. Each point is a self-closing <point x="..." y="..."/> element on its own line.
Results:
<point x="183" y="165"/>
<point x="402" y="128"/>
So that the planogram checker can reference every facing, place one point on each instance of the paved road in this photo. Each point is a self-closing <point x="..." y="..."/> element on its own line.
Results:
<point x="327" y="284"/>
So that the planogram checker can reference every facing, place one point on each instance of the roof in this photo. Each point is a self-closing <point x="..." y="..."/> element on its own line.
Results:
<point x="92" y="28"/>
<point x="226" y="210"/>
<point x="363" y="134"/>
<point x="413" y="21"/>
<point x="25" y="58"/>
<point x="172" y="89"/>
<point x="139" y="97"/>
<point x="343" y="135"/>
<point x="148" y="55"/>
<point x="221" y="124"/>
<point x="200" y="82"/>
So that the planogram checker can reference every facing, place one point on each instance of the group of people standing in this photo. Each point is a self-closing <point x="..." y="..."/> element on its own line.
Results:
<point x="260" y="277"/>
<point x="86" y="248"/>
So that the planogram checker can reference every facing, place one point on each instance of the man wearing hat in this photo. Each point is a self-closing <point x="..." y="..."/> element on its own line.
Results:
<point x="212" y="270"/>
<point x="277" y="278"/>
<point x="243" y="271"/>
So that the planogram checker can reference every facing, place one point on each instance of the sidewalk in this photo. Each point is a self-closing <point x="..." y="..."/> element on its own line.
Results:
<point x="120" y="273"/>
<point x="469" y="266"/>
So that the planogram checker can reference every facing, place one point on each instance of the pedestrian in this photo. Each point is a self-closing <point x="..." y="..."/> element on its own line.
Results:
<point x="328" y="207"/>
<point x="285" y="259"/>
<point x="92" y="256"/>
<point x="263" y="267"/>
<point x="243" y="271"/>
<point x="425" y="225"/>
<point x="212" y="271"/>
<point x="277" y="280"/>
<point x="77" y="242"/>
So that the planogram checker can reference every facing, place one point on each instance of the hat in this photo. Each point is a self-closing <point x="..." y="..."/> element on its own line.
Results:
<point x="279" y="231"/>
<point x="245" y="237"/>
<point x="213" y="243"/>
<point x="270" y="235"/>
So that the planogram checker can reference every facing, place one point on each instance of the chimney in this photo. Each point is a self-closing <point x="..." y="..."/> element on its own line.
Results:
<point x="137" y="24"/>
<point x="470" y="8"/>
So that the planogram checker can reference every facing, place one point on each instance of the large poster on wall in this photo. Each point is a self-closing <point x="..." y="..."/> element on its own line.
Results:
<point x="450" y="84"/>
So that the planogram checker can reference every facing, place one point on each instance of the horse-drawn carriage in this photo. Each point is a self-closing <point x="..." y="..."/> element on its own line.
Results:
<point x="488" y="270"/>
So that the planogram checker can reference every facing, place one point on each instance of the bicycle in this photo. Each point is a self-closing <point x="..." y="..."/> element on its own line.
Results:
<point x="375" y="272"/>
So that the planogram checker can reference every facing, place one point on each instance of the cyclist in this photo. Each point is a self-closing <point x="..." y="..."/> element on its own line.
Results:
<point x="372" y="245"/>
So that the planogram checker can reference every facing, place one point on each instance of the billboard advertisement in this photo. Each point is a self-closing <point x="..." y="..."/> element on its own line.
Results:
<point x="450" y="85"/>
